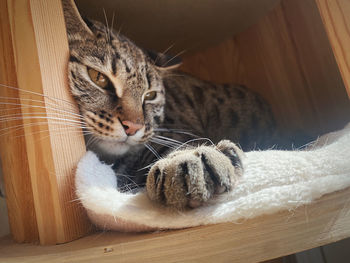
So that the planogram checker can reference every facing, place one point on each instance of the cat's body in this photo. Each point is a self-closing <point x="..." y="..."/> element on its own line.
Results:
<point x="138" y="109"/>
<point x="202" y="113"/>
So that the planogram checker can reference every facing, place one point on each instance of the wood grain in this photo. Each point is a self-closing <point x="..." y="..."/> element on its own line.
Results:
<point x="40" y="49"/>
<point x="326" y="220"/>
<point x="336" y="19"/>
<point x="287" y="58"/>
<point x="19" y="194"/>
<point x="182" y="24"/>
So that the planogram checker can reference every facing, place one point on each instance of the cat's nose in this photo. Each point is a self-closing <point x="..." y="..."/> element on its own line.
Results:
<point x="130" y="127"/>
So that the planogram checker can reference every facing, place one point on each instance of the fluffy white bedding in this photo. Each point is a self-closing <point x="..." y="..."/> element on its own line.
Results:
<point x="273" y="181"/>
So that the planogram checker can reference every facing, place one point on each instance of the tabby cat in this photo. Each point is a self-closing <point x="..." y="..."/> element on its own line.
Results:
<point x="139" y="108"/>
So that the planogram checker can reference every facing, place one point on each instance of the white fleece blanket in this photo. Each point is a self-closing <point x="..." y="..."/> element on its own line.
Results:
<point x="272" y="181"/>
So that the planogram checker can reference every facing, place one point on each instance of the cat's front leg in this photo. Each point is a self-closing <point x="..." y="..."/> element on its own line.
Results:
<point x="191" y="177"/>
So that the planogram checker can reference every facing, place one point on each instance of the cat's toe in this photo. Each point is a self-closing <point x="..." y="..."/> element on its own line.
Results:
<point x="189" y="178"/>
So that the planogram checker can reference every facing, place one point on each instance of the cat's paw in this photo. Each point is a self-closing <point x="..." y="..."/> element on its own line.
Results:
<point x="191" y="177"/>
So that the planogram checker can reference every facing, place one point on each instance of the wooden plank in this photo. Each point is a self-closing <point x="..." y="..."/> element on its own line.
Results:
<point x="53" y="148"/>
<point x="19" y="195"/>
<point x="220" y="63"/>
<point x="185" y="25"/>
<point x="324" y="221"/>
<point x="287" y="58"/>
<point x="336" y="19"/>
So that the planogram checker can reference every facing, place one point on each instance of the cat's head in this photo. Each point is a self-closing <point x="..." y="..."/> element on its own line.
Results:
<point x="117" y="85"/>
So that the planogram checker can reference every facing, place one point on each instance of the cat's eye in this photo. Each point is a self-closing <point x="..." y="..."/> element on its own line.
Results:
<point x="150" y="95"/>
<point x="98" y="78"/>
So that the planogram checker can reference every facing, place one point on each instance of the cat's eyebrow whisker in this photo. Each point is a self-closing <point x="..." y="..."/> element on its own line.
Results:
<point x="112" y="25"/>
<point x="108" y="33"/>
<point x="38" y="94"/>
<point x="177" y="55"/>
<point x="152" y="150"/>
<point x="168" y="48"/>
<point x="163" y="52"/>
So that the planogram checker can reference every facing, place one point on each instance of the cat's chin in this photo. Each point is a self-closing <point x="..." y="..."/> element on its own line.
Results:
<point x="114" y="148"/>
<point x="109" y="149"/>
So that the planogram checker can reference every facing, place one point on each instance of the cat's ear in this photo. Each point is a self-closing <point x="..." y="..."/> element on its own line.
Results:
<point x="75" y="24"/>
<point x="164" y="61"/>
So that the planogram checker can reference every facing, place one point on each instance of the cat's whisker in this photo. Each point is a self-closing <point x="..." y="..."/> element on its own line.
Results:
<point x="166" y="130"/>
<point x="41" y="107"/>
<point x="108" y="33"/>
<point x="120" y="29"/>
<point x="66" y="130"/>
<point x="163" y="143"/>
<point x="33" y="100"/>
<point x="38" y="115"/>
<point x="21" y="127"/>
<point x="162" y="53"/>
<point x="15" y="128"/>
<point x="92" y="140"/>
<point x="33" y="115"/>
<point x="127" y="177"/>
<point x="41" y="117"/>
<point x="112" y="25"/>
<point x="89" y="141"/>
<point x="168" y="139"/>
<point x="152" y="150"/>
<point x="43" y="123"/>
<point x="168" y="48"/>
<point x="147" y="166"/>
<point x="194" y="140"/>
<point x="38" y="94"/>
<point x="177" y="55"/>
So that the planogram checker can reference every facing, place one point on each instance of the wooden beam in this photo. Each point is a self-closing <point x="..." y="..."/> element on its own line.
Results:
<point x="324" y="221"/>
<point x="52" y="146"/>
<point x="336" y="20"/>
<point x="19" y="195"/>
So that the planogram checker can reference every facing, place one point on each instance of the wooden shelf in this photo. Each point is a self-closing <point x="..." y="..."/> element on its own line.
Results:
<point x="326" y="220"/>
<point x="297" y="55"/>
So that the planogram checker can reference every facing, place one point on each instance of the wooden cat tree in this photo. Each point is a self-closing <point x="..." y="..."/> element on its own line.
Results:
<point x="297" y="55"/>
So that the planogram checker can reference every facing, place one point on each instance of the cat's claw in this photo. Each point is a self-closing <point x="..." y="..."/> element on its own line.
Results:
<point x="191" y="177"/>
